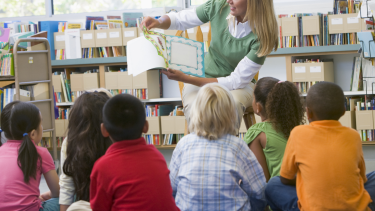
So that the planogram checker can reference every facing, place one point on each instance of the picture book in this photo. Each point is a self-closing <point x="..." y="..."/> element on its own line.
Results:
<point x="130" y="19"/>
<point x="159" y="51"/>
<point x="90" y="18"/>
<point x="368" y="44"/>
<point x="4" y="34"/>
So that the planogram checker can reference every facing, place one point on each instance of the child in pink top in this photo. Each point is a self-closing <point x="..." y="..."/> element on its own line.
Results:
<point x="22" y="162"/>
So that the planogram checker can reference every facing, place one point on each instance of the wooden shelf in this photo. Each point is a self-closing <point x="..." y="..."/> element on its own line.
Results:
<point x="173" y="146"/>
<point x="156" y="100"/>
<point x="88" y="62"/>
<point x="7" y="78"/>
<point x="316" y="50"/>
<point x="368" y="142"/>
<point x="349" y="93"/>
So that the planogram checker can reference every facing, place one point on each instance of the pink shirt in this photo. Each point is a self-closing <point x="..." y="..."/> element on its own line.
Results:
<point x="15" y="194"/>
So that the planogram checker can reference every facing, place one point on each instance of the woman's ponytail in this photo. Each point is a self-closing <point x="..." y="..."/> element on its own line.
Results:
<point x="28" y="157"/>
<point x="284" y="107"/>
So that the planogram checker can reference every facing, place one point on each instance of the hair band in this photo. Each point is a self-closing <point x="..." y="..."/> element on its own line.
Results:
<point x="280" y="82"/>
<point x="25" y="134"/>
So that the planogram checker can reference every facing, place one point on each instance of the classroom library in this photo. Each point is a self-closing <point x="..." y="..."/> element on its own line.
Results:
<point x="187" y="105"/>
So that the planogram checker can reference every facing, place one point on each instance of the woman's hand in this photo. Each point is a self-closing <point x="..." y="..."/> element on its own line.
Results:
<point x="175" y="75"/>
<point x="150" y="23"/>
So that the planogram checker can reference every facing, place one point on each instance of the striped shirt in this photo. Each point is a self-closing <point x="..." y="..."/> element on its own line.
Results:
<point x="216" y="175"/>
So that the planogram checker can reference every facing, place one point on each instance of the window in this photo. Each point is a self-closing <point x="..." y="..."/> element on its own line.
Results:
<point x="19" y="8"/>
<point x="197" y="2"/>
<point x="82" y="6"/>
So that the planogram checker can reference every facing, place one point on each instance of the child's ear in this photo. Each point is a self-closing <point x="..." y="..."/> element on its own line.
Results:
<point x="145" y="127"/>
<point x="33" y="135"/>
<point x="104" y="130"/>
<point x="258" y="108"/>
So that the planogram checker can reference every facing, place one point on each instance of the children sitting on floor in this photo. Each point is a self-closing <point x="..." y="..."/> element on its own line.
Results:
<point x="324" y="160"/>
<point x="131" y="175"/>
<point x="279" y="105"/>
<point x="211" y="168"/>
<point x="22" y="163"/>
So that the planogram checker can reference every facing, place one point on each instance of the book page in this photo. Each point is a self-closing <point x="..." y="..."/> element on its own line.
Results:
<point x="73" y="44"/>
<point x="142" y="55"/>
<point x="186" y="55"/>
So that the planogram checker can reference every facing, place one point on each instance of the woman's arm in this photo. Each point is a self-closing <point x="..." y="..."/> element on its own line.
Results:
<point x="257" y="148"/>
<point x="66" y="183"/>
<point x="53" y="183"/>
<point x="239" y="78"/>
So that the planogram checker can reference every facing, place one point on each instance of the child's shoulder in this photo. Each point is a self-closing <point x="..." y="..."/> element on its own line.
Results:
<point x="42" y="151"/>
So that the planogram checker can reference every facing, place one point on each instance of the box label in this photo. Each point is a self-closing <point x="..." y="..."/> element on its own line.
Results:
<point x="60" y="38"/>
<point x="301" y="69"/>
<point x="315" y="69"/>
<point x="114" y="34"/>
<point x="129" y="34"/>
<point x="353" y="20"/>
<point x="190" y="30"/>
<point x="159" y="31"/>
<point x="87" y="36"/>
<point x="205" y="29"/>
<point x="141" y="34"/>
<point x="101" y="35"/>
<point x="336" y="21"/>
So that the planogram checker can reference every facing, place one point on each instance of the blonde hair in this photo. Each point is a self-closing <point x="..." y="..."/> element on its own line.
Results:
<point x="262" y="20"/>
<point x="213" y="113"/>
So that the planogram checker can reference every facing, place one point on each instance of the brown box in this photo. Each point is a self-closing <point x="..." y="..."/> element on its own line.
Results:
<point x="153" y="126"/>
<point x="88" y="39"/>
<point x="90" y="81"/>
<point x="289" y="26"/>
<point x="148" y="80"/>
<point x="344" y="23"/>
<point x="172" y="124"/>
<point x="56" y="82"/>
<point x="171" y="32"/>
<point x="311" y="25"/>
<point x="60" y="127"/>
<point x="76" y="82"/>
<point x="59" y="39"/>
<point x="114" y="37"/>
<point x="192" y="33"/>
<point x="118" y="80"/>
<point x="364" y="120"/>
<point x="305" y="72"/>
<point x="129" y="34"/>
<point x="348" y="120"/>
<point x="101" y="38"/>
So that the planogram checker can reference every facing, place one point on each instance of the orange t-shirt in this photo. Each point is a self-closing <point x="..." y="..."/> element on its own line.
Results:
<point x="328" y="160"/>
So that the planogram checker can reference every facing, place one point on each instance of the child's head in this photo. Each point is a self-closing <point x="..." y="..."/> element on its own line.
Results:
<point x="85" y="143"/>
<point x="325" y="101"/>
<point x="278" y="102"/>
<point x="213" y="113"/>
<point x="23" y="121"/>
<point x="124" y="118"/>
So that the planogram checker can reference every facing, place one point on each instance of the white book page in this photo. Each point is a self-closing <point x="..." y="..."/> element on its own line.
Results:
<point x="142" y="56"/>
<point x="73" y="44"/>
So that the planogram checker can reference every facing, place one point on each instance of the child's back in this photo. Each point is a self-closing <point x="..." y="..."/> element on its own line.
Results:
<point x="331" y="168"/>
<point x="135" y="174"/>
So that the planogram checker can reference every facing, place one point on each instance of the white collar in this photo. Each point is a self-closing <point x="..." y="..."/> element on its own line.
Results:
<point x="234" y="25"/>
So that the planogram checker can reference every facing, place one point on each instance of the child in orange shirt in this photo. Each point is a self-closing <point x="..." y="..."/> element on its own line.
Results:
<point x="324" y="160"/>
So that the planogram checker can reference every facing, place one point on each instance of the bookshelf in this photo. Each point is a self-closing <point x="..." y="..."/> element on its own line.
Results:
<point x="316" y="50"/>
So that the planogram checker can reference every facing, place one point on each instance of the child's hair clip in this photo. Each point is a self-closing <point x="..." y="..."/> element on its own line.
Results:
<point x="280" y="82"/>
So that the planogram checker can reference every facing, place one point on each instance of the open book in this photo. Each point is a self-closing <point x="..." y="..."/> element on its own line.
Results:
<point x="159" y="51"/>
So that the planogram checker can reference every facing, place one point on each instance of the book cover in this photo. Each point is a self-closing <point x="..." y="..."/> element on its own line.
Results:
<point x="158" y="51"/>
<point x="130" y="19"/>
<point x="4" y="34"/>
<point x="50" y="27"/>
<point x="90" y="18"/>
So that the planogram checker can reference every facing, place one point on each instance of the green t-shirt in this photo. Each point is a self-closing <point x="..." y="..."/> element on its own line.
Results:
<point x="225" y="51"/>
<point x="275" y="147"/>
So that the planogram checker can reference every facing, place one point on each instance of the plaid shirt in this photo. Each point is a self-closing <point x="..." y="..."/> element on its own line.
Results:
<point x="216" y="175"/>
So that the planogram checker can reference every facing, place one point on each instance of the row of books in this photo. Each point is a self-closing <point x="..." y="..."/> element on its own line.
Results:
<point x="47" y="142"/>
<point x="63" y="113"/>
<point x="6" y="64"/>
<point x="152" y="111"/>
<point x="303" y="87"/>
<point x="367" y="135"/>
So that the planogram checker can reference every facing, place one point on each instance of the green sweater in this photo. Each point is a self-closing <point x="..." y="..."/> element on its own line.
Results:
<point x="225" y="51"/>
<point x="275" y="146"/>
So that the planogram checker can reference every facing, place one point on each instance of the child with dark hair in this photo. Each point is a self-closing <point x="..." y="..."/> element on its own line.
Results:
<point x="22" y="162"/>
<point x="324" y="160"/>
<point x="279" y="105"/>
<point x="131" y="175"/>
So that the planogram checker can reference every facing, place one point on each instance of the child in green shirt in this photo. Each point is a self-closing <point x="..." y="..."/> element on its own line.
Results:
<point x="279" y="105"/>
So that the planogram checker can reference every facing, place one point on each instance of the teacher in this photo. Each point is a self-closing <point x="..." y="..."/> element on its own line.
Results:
<point x="243" y="33"/>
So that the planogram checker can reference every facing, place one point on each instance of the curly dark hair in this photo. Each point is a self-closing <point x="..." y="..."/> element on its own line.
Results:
<point x="282" y="103"/>
<point x="86" y="143"/>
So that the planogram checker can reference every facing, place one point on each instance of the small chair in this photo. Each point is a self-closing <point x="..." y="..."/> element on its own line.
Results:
<point x="248" y="116"/>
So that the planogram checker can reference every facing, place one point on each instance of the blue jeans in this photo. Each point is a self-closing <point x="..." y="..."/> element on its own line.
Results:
<point x="51" y="205"/>
<point x="284" y="197"/>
